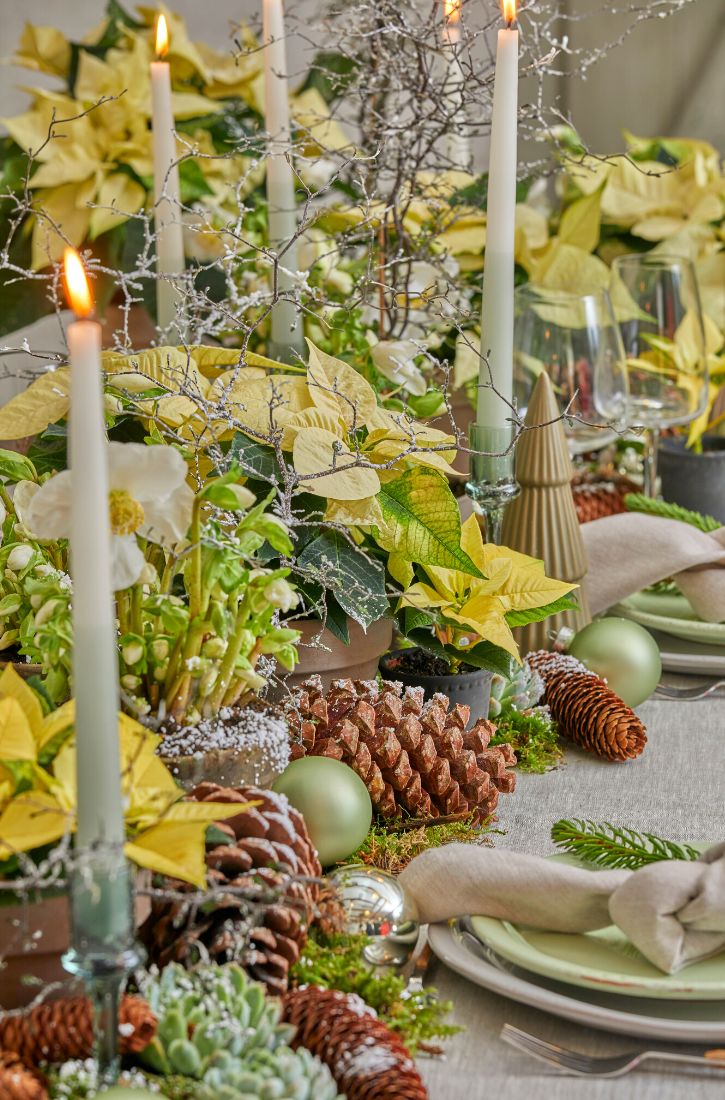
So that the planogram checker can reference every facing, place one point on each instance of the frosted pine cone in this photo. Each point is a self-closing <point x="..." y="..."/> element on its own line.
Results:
<point x="261" y="841"/>
<point x="416" y="758"/>
<point x="597" y="496"/>
<point x="366" y="1058"/>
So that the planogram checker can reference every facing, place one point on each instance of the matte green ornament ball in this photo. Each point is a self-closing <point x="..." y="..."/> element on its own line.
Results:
<point x="334" y="802"/>
<point x="624" y="654"/>
<point x="120" y="1093"/>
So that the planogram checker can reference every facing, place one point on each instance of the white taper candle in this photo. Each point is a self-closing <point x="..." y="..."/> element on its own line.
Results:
<point x="95" y="659"/>
<point x="167" y="192"/>
<point x="497" y="314"/>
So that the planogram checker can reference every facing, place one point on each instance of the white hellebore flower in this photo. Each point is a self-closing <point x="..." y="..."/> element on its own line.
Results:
<point x="148" y="496"/>
<point x="395" y="359"/>
<point x="281" y="594"/>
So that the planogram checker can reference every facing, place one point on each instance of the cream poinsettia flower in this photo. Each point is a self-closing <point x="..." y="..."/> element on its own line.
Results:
<point x="148" y="497"/>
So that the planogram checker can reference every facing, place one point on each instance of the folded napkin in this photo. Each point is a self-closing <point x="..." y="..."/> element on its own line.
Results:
<point x="630" y="551"/>
<point x="672" y="911"/>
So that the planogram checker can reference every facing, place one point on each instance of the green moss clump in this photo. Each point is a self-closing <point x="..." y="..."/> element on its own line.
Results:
<point x="391" y="847"/>
<point x="336" y="962"/>
<point x="533" y="737"/>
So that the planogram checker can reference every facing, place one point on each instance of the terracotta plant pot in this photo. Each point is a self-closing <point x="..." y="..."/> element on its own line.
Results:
<point x="331" y="659"/>
<point x="696" y="481"/>
<point x="473" y="689"/>
<point x="34" y="936"/>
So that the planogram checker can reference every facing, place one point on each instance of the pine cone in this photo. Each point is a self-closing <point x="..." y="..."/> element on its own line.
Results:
<point x="271" y="835"/>
<point x="586" y="710"/>
<point x="366" y="1058"/>
<point x="58" y="1031"/>
<point x="17" y="1082"/>
<point x="597" y="495"/>
<point x="415" y="757"/>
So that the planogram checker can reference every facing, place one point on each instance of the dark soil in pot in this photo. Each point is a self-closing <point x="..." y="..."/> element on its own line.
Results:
<point x="416" y="668"/>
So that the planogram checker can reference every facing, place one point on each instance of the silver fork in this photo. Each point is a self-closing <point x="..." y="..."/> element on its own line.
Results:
<point x="583" y="1065"/>
<point x="688" y="694"/>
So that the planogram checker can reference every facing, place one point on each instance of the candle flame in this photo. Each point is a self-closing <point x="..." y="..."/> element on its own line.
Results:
<point x="452" y="11"/>
<point x="77" y="289"/>
<point x="162" y="37"/>
<point x="509" y="11"/>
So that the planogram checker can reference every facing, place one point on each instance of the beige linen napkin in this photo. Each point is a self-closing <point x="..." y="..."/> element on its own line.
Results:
<point x="673" y="911"/>
<point x="630" y="551"/>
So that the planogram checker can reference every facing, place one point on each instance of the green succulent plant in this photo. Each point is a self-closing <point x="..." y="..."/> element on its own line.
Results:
<point x="521" y="691"/>
<point x="221" y="1032"/>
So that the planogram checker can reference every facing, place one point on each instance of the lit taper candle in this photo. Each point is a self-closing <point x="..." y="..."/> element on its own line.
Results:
<point x="167" y="195"/>
<point x="95" y="660"/>
<point x="497" y="315"/>
<point x="458" y="150"/>
<point x="286" y="322"/>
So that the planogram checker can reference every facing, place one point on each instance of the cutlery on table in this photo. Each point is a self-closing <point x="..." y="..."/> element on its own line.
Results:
<point x="584" y="1065"/>
<point x="662" y="691"/>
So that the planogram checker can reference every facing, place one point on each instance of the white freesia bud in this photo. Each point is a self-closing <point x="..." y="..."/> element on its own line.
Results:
<point x="214" y="647"/>
<point x="160" y="649"/>
<point x="160" y="671"/>
<point x="207" y="681"/>
<point x="45" y="612"/>
<point x="281" y="594"/>
<point x="130" y="682"/>
<point x="149" y="574"/>
<point x="45" y="570"/>
<point x="36" y="600"/>
<point x="19" y="557"/>
<point x="132" y="653"/>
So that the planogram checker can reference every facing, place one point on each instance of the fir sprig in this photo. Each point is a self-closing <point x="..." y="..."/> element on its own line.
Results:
<point x="608" y="845"/>
<point x="336" y="962"/>
<point x="637" y="502"/>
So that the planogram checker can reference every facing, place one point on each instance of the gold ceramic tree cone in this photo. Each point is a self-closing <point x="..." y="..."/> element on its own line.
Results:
<point x="542" y="520"/>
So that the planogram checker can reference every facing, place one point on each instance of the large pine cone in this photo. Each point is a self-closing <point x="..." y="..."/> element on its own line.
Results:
<point x="59" y="1031"/>
<point x="585" y="710"/>
<point x="262" y="843"/>
<point x="366" y="1058"/>
<point x="17" y="1082"/>
<point x="597" y="495"/>
<point x="415" y="757"/>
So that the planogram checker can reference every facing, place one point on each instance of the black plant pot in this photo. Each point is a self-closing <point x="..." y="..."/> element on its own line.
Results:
<point x="471" y="688"/>
<point x="696" y="481"/>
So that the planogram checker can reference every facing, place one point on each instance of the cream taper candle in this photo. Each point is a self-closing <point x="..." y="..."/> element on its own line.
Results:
<point x="95" y="659"/>
<point x="458" y="149"/>
<point x="497" y="314"/>
<point x="167" y="194"/>
<point x="286" y="322"/>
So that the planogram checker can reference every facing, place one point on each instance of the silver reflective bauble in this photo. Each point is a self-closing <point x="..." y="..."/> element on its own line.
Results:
<point x="375" y="905"/>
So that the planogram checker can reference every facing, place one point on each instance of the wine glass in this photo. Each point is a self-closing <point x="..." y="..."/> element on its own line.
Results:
<point x="658" y="306"/>
<point x="575" y="338"/>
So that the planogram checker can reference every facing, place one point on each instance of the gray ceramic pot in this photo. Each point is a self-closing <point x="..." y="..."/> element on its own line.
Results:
<point x="471" y="688"/>
<point x="696" y="481"/>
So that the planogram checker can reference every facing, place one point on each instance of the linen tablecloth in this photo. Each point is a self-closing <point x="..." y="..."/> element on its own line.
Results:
<point x="676" y="789"/>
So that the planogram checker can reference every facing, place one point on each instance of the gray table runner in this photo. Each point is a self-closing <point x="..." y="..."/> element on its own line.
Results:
<point x="677" y="789"/>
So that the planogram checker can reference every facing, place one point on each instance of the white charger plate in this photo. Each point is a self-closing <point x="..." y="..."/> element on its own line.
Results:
<point x="673" y="1021"/>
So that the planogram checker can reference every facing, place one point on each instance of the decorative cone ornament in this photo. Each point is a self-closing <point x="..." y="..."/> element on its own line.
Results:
<point x="542" y="520"/>
<point x="17" y="1082"/>
<point x="60" y="1031"/>
<point x="416" y="758"/>
<point x="585" y="710"/>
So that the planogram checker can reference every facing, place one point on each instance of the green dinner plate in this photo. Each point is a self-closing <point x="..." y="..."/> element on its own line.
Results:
<point x="605" y="960"/>
<point x="670" y="614"/>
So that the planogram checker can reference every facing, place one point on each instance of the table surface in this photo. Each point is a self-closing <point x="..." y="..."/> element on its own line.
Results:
<point x="675" y="789"/>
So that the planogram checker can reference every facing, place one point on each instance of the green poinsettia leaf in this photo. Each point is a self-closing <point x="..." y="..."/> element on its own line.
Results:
<point x="536" y="614"/>
<point x="423" y="521"/>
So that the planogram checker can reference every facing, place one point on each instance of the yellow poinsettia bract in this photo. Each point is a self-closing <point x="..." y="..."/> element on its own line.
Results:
<point x="165" y="834"/>
<point x="473" y="609"/>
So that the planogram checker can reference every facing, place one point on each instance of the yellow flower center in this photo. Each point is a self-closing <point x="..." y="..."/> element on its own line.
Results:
<point x="126" y="514"/>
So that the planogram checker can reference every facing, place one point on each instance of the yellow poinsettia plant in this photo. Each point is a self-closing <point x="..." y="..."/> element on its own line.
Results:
<point x="468" y="619"/>
<point x="38" y="790"/>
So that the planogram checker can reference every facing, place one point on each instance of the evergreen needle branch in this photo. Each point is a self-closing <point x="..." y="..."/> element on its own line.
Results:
<point x="637" y="502"/>
<point x="608" y="845"/>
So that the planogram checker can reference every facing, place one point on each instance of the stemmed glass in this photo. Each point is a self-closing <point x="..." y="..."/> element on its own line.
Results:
<point x="658" y="306"/>
<point x="576" y="340"/>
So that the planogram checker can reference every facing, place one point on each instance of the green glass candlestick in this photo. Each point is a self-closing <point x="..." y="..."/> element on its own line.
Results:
<point x="492" y="484"/>
<point x="103" y="949"/>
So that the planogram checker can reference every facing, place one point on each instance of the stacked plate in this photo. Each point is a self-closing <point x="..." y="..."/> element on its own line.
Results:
<point x="687" y="643"/>
<point x="596" y="978"/>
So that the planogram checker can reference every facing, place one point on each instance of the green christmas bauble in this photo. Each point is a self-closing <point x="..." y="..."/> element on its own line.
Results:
<point x="624" y="654"/>
<point x="334" y="802"/>
<point x="121" y="1093"/>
